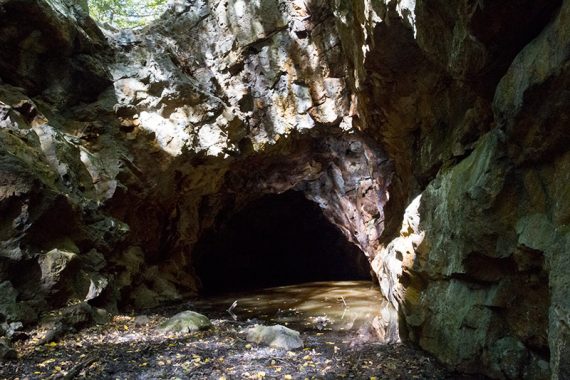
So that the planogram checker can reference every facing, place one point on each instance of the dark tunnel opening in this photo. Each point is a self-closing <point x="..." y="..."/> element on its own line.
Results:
<point x="279" y="239"/>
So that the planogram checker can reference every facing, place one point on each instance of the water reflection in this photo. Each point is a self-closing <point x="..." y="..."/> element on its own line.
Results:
<point x="330" y="305"/>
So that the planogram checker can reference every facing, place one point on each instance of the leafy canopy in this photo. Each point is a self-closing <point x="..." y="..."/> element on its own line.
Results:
<point x="126" y="13"/>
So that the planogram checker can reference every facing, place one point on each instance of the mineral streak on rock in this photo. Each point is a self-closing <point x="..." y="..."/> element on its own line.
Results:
<point x="433" y="134"/>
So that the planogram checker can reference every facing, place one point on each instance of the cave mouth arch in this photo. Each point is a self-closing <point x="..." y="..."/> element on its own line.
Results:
<point x="276" y="240"/>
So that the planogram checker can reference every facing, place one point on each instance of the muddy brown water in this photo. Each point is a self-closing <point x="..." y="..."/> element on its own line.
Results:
<point x="330" y="305"/>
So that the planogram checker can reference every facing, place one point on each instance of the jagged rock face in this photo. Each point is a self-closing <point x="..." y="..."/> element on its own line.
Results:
<point x="53" y="49"/>
<point x="460" y="115"/>
<point x="432" y="134"/>
<point x="189" y="133"/>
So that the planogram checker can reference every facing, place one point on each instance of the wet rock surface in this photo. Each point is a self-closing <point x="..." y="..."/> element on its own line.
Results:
<point x="432" y="135"/>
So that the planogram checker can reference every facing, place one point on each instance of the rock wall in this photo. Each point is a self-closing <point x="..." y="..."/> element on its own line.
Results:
<point x="471" y="111"/>
<point x="431" y="133"/>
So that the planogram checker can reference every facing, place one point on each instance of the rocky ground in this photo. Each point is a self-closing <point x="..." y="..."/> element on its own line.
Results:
<point x="131" y="347"/>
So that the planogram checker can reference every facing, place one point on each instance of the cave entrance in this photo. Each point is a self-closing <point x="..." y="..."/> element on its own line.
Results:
<point x="279" y="239"/>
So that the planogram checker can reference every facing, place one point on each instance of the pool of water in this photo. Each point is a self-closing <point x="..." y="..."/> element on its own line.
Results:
<point x="326" y="306"/>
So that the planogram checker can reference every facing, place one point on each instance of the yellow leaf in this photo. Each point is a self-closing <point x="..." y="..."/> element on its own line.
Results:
<point x="288" y="377"/>
<point x="52" y="344"/>
<point x="308" y="357"/>
<point x="46" y="362"/>
<point x="373" y="378"/>
<point x="126" y="327"/>
<point x="248" y="346"/>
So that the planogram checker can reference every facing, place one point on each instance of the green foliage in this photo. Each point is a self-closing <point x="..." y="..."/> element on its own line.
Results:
<point x="126" y="13"/>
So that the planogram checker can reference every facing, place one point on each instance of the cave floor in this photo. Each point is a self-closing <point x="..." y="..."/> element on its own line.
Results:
<point x="130" y="347"/>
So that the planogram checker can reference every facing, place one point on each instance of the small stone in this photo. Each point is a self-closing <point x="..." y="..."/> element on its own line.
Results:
<point x="185" y="322"/>
<point x="275" y="336"/>
<point x="142" y="320"/>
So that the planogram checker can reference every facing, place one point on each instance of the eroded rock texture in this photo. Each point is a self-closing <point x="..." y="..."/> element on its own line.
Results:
<point x="433" y="134"/>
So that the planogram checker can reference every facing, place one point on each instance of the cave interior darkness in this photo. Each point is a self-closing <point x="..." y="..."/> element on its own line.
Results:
<point x="277" y="240"/>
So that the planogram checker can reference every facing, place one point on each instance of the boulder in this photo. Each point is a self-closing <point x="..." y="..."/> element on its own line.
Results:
<point x="275" y="336"/>
<point x="54" y="265"/>
<point x="186" y="322"/>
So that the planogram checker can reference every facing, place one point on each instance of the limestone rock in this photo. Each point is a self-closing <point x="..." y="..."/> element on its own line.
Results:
<point x="144" y="298"/>
<point x="6" y="350"/>
<point x="60" y="58"/>
<point x="275" y="336"/>
<point x="540" y="68"/>
<point x="53" y="265"/>
<point x="466" y="31"/>
<point x="11" y="309"/>
<point x="10" y="329"/>
<point x="186" y="322"/>
<point x="512" y="357"/>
